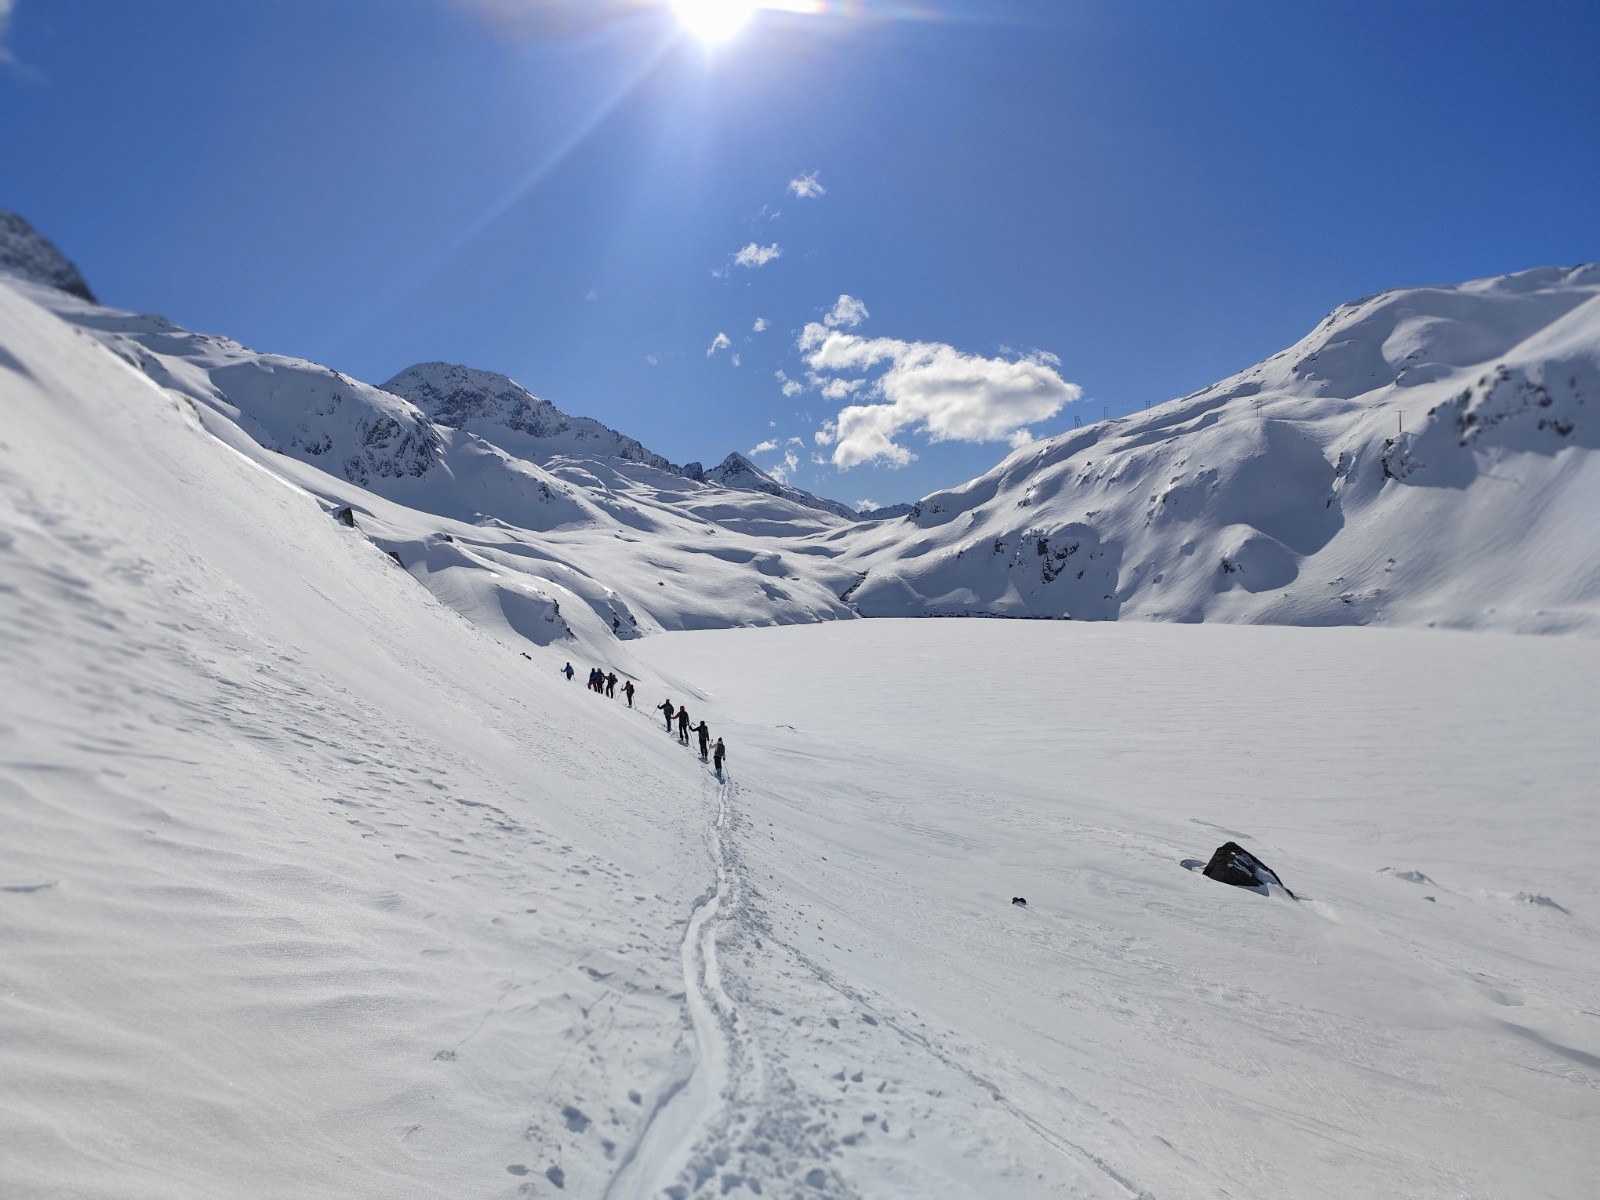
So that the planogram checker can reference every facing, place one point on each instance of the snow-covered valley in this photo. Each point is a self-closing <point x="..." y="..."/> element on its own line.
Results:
<point x="318" y="879"/>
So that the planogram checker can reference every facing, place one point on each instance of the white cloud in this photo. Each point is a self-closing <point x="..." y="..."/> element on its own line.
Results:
<point x="791" y="387"/>
<point x="721" y="342"/>
<point x="758" y="256"/>
<point x="763" y="447"/>
<point x="653" y="359"/>
<point x="867" y="505"/>
<point x="737" y="361"/>
<point x="760" y="326"/>
<point x="930" y="388"/>
<point x="591" y="295"/>
<point x="794" y="441"/>
<point x="807" y="187"/>
<point x="842" y="389"/>
<point x="7" y="8"/>
<point x="791" y="464"/>
<point x="846" y="313"/>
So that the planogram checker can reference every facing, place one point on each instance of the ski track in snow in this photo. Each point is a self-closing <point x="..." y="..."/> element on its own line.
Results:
<point x="666" y="1148"/>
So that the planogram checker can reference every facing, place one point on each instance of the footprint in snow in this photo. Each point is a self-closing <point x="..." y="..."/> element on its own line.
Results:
<point x="576" y="1119"/>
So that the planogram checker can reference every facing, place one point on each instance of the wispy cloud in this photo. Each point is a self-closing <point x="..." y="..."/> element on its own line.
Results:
<point x="929" y="388"/>
<point x="754" y="255"/>
<point x="846" y="313"/>
<point x="791" y="387"/>
<point x="761" y="325"/>
<point x="7" y="8"/>
<point x="842" y="389"/>
<point x="763" y="447"/>
<point x="807" y="186"/>
<point x="721" y="342"/>
<point x="785" y="472"/>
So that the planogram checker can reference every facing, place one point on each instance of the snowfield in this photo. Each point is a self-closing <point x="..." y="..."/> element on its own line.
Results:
<point x="319" y="879"/>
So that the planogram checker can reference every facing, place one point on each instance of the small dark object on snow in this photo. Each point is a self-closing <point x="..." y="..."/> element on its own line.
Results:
<point x="397" y="561"/>
<point x="1019" y="902"/>
<point x="346" y="516"/>
<point x="1233" y="864"/>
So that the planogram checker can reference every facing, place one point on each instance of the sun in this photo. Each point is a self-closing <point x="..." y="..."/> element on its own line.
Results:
<point x="714" y="21"/>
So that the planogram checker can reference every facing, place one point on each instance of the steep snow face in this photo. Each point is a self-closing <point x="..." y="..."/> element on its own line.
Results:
<point x="504" y="412"/>
<point x="289" y="406"/>
<point x="737" y="471"/>
<point x="1423" y="457"/>
<point x="28" y="254"/>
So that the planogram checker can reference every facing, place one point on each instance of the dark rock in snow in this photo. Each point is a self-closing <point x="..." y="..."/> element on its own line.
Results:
<point x="346" y="516"/>
<point x="1019" y="902"/>
<point x="1234" y="865"/>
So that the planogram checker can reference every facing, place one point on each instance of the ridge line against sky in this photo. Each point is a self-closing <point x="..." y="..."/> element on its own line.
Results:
<point x="1048" y="209"/>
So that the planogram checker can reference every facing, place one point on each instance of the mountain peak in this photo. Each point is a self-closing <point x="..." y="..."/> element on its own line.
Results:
<point x="492" y="405"/>
<point x="737" y="471"/>
<point x="26" y="252"/>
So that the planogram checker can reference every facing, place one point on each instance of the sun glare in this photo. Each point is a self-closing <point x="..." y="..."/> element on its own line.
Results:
<point x="714" y="21"/>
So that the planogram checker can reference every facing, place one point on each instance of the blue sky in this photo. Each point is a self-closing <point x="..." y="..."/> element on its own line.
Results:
<point x="1043" y="210"/>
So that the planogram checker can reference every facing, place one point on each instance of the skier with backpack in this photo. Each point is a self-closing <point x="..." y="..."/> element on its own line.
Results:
<point x="666" y="707"/>
<point x="683" y="726"/>
<point x="568" y="672"/>
<point x="704" y="731"/>
<point x="719" y="753"/>
<point x="627" y="690"/>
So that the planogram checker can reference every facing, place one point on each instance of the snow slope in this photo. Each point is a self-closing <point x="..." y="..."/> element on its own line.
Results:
<point x="311" y="887"/>
<point x="1424" y="457"/>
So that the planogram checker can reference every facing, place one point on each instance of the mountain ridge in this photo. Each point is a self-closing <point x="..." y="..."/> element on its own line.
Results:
<point x="1423" y="456"/>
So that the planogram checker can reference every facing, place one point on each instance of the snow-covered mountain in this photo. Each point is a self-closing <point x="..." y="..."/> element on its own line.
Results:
<point x="737" y="471"/>
<point x="503" y="412"/>
<point x="1426" y="456"/>
<point x="534" y="524"/>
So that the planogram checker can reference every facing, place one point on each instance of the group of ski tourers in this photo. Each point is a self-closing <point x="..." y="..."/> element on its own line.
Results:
<point x="681" y="715"/>
<point x="605" y="683"/>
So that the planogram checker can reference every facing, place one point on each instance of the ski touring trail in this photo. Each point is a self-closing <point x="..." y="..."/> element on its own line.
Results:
<point x="669" y="1157"/>
<point x="770" y="1095"/>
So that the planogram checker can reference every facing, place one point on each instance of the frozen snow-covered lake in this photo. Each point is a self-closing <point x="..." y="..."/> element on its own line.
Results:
<point x="1423" y="1023"/>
